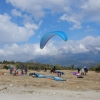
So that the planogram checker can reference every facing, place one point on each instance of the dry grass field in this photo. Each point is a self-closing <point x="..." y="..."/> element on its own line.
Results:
<point x="90" y="82"/>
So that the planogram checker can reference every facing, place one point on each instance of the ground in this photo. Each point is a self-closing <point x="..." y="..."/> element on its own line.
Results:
<point x="87" y="88"/>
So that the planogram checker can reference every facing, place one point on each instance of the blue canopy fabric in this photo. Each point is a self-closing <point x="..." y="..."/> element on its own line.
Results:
<point x="49" y="35"/>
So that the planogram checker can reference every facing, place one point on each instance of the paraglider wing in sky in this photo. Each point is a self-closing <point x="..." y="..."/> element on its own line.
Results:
<point x="49" y="35"/>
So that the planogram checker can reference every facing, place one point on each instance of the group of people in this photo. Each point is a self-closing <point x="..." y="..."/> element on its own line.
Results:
<point x="83" y="70"/>
<point x="23" y="70"/>
<point x="53" y="69"/>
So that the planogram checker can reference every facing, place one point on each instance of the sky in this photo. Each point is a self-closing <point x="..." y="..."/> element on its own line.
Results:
<point x="24" y="22"/>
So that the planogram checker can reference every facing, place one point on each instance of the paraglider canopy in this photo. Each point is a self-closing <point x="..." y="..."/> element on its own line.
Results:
<point x="49" y="35"/>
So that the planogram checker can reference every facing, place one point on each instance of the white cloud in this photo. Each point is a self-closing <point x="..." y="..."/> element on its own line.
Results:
<point x="31" y="26"/>
<point x="90" y="40"/>
<point x="11" y="32"/>
<point x="91" y="10"/>
<point x="81" y="45"/>
<point x="98" y="48"/>
<point x="72" y="19"/>
<point x="31" y="6"/>
<point x="72" y="11"/>
<point x="74" y="47"/>
<point x="38" y="7"/>
<point x="27" y="51"/>
<point x="16" y="13"/>
<point x="92" y="6"/>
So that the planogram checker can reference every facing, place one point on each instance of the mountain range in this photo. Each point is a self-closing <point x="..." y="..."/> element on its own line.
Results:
<point x="90" y="58"/>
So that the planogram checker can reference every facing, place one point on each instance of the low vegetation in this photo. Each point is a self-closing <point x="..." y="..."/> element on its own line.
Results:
<point x="40" y="66"/>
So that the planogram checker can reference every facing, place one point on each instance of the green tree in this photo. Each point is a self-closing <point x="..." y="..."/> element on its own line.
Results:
<point x="12" y="62"/>
<point x="97" y="69"/>
<point x="72" y="66"/>
<point x="5" y="62"/>
<point x="58" y="67"/>
<point x="92" y="68"/>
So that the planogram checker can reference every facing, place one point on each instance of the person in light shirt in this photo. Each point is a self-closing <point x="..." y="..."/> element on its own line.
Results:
<point x="82" y="71"/>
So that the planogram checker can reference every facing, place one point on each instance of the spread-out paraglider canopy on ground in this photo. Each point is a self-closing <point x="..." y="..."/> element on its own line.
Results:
<point x="49" y="35"/>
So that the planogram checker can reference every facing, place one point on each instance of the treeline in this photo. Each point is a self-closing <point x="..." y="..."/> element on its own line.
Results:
<point x="34" y="65"/>
<point x="40" y="66"/>
<point x="9" y="62"/>
<point x="95" y="68"/>
<point x="37" y="66"/>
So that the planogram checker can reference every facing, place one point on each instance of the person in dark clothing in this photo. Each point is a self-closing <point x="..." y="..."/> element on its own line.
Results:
<point x="21" y="67"/>
<point x="85" y="70"/>
<point x="78" y="69"/>
<point x="25" y="68"/>
<point x="11" y="69"/>
<point x="54" y="68"/>
<point x="45" y="69"/>
<point x="59" y="74"/>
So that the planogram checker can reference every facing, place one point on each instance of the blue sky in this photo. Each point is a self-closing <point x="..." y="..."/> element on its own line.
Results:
<point x="24" y="22"/>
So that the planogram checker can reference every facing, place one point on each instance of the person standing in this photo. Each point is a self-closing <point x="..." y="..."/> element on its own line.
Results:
<point x="82" y="71"/>
<point x="20" y="67"/>
<point x="45" y="69"/>
<point x="25" y="69"/>
<point x="54" y="68"/>
<point x="11" y="68"/>
<point x="59" y="74"/>
<point x="78" y="69"/>
<point x="85" y="70"/>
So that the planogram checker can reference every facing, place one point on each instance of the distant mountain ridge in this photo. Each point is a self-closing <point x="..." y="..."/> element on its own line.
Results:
<point x="67" y="59"/>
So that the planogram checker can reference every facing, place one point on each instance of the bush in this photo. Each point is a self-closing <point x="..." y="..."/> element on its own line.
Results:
<point x="92" y="68"/>
<point x="6" y="67"/>
<point x="97" y="69"/>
